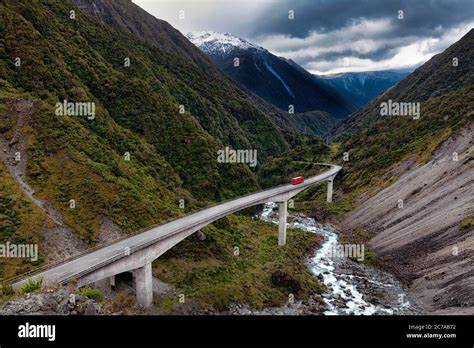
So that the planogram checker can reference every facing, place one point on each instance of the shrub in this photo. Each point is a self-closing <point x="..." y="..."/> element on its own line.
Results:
<point x="122" y="301"/>
<point x="6" y="289"/>
<point x="6" y="292"/>
<point x="466" y="224"/>
<point x="92" y="293"/>
<point x="31" y="285"/>
<point x="72" y="283"/>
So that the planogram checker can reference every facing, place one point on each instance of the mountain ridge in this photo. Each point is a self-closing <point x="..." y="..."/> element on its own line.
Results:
<point x="271" y="77"/>
<point x="420" y="85"/>
<point x="361" y="87"/>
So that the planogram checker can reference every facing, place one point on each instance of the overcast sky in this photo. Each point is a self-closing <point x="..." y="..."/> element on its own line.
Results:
<point x="330" y="36"/>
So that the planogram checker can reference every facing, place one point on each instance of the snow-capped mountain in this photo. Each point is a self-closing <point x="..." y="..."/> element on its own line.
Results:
<point x="212" y="42"/>
<point x="270" y="77"/>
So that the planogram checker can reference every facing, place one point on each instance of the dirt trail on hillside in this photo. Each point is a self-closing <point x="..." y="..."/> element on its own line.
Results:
<point x="60" y="241"/>
<point x="428" y="249"/>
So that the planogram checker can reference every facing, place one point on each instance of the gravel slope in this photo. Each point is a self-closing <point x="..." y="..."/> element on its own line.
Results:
<point x="428" y="249"/>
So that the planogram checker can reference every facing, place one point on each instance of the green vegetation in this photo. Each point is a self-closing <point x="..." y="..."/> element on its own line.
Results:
<point x="301" y="159"/>
<point x="31" y="285"/>
<point x="172" y="155"/>
<point x="390" y="142"/>
<point x="20" y="222"/>
<point x="122" y="302"/>
<point x="213" y="273"/>
<point x="94" y="294"/>
<point x="6" y="292"/>
<point x="85" y="61"/>
<point x="466" y="224"/>
<point x="313" y="122"/>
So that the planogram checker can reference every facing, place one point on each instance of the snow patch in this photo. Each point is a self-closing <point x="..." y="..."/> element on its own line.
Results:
<point x="288" y="89"/>
<point x="214" y="42"/>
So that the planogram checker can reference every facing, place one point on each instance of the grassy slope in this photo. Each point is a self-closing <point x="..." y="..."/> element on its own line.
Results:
<point x="68" y="161"/>
<point x="209" y="273"/>
<point x="299" y="160"/>
<point x="314" y="122"/>
<point x="20" y="220"/>
<point x="389" y="142"/>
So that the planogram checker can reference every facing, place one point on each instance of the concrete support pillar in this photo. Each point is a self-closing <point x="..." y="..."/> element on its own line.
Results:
<point x="283" y="212"/>
<point x="144" y="286"/>
<point x="112" y="281"/>
<point x="329" y="198"/>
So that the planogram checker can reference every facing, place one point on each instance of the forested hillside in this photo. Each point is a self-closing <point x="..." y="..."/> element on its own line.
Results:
<point x="149" y="152"/>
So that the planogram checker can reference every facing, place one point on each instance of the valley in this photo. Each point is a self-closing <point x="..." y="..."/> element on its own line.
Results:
<point x="141" y="159"/>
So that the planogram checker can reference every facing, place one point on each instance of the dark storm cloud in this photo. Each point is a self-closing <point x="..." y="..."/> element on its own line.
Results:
<point x="421" y="17"/>
<point x="376" y="56"/>
<point x="328" y="36"/>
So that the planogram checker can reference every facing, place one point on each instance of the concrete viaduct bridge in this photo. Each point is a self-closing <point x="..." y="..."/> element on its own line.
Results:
<point x="136" y="253"/>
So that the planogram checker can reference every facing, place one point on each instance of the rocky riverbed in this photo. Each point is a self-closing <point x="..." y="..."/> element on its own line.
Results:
<point x="352" y="288"/>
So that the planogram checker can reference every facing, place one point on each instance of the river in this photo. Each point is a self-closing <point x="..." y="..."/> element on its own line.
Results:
<point x="352" y="288"/>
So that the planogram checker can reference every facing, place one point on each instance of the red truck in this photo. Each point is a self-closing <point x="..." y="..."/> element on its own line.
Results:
<point x="297" y="180"/>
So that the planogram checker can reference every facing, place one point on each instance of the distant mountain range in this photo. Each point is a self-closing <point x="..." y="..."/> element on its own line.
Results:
<point x="275" y="79"/>
<point x="362" y="87"/>
<point x="282" y="82"/>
